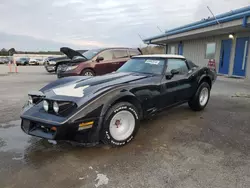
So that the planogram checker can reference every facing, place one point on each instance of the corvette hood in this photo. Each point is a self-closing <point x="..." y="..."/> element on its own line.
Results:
<point x="90" y="85"/>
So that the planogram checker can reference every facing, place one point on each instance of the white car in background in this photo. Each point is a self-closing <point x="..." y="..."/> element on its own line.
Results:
<point x="33" y="62"/>
<point x="40" y="61"/>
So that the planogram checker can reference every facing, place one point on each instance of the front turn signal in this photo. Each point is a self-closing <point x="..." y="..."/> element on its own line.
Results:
<point x="85" y="125"/>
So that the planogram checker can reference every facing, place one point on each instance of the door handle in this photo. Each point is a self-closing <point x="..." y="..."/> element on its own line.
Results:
<point x="245" y="55"/>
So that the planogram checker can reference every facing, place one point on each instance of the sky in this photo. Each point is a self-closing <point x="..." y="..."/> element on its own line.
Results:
<point x="43" y="25"/>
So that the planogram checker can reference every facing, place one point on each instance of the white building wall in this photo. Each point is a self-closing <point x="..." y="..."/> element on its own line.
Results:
<point x="176" y="48"/>
<point x="195" y="50"/>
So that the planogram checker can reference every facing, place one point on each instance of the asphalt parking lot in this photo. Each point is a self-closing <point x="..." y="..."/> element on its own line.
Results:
<point x="177" y="148"/>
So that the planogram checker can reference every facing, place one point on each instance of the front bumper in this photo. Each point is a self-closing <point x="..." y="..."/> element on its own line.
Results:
<point x="19" y="63"/>
<point x="33" y="63"/>
<point x="50" y="68"/>
<point x="47" y="131"/>
<point x="66" y="131"/>
<point x="67" y="74"/>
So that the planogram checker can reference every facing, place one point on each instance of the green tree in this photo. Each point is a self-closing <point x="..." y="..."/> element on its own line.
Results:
<point x="11" y="51"/>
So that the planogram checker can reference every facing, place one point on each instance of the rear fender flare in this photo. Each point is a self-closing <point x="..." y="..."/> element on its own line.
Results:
<point x="205" y="76"/>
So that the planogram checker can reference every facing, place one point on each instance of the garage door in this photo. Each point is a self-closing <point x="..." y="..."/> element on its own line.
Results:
<point x="225" y="56"/>
<point x="240" y="60"/>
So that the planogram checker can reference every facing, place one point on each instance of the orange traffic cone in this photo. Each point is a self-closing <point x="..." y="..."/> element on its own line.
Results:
<point x="15" y="66"/>
<point x="10" y="69"/>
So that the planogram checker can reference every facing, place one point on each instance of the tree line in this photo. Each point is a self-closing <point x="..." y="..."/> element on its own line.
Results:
<point x="12" y="51"/>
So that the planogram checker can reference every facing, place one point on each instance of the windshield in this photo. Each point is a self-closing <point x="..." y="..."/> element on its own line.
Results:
<point x="23" y="59"/>
<point x="143" y="65"/>
<point x="91" y="53"/>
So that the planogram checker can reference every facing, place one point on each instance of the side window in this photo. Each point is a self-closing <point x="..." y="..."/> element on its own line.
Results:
<point x="134" y="52"/>
<point x="178" y="64"/>
<point x="107" y="55"/>
<point x="120" y="54"/>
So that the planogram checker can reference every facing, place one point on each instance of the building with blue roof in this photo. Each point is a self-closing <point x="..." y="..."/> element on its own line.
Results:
<point x="224" y="38"/>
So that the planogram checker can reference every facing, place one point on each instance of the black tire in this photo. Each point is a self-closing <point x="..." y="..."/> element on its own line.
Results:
<point x="56" y="68"/>
<point x="106" y="135"/>
<point x="88" y="72"/>
<point x="195" y="103"/>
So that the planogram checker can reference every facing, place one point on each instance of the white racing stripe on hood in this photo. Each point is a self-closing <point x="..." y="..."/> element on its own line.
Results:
<point x="70" y="91"/>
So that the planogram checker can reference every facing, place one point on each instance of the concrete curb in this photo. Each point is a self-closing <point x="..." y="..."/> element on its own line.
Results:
<point x="233" y="79"/>
<point x="4" y="69"/>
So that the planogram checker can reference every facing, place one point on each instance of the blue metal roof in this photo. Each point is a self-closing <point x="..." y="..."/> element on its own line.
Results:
<point x="222" y="18"/>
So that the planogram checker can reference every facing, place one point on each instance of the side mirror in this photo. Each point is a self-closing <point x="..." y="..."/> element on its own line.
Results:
<point x="98" y="59"/>
<point x="174" y="71"/>
<point x="171" y="74"/>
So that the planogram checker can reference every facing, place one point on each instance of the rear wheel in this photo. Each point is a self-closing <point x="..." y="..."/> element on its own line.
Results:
<point x="88" y="72"/>
<point x="201" y="97"/>
<point x="121" y="124"/>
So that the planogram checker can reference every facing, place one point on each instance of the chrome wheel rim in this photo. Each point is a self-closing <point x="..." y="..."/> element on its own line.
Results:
<point x="88" y="74"/>
<point x="122" y="125"/>
<point x="204" y="96"/>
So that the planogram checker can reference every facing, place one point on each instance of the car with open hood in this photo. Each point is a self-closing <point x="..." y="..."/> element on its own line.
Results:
<point x="109" y="108"/>
<point x="51" y="63"/>
<point x="95" y="62"/>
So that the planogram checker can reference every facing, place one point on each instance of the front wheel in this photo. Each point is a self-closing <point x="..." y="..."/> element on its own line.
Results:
<point x="121" y="124"/>
<point x="201" y="97"/>
<point x="88" y="72"/>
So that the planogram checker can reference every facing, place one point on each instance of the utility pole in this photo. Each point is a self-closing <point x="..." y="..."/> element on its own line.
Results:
<point x="159" y="29"/>
<point x="140" y="36"/>
<point x="213" y="15"/>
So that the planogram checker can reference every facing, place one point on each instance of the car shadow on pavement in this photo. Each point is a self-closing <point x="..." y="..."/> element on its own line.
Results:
<point x="154" y="132"/>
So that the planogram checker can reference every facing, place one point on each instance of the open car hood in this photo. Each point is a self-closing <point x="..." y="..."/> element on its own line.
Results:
<point x="71" y="53"/>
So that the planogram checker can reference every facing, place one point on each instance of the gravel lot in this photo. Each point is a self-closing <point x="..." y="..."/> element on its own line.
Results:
<point x="177" y="148"/>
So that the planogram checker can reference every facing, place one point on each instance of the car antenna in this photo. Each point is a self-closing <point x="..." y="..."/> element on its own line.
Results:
<point x="213" y="15"/>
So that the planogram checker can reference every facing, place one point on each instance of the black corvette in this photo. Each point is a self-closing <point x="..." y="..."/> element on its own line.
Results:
<point x="109" y="108"/>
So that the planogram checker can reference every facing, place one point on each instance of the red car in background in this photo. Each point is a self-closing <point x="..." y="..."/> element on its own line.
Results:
<point x="94" y="62"/>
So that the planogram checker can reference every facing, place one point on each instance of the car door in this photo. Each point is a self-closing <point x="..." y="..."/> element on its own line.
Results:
<point x="183" y="79"/>
<point x="120" y="57"/>
<point x="169" y="91"/>
<point x="104" y="66"/>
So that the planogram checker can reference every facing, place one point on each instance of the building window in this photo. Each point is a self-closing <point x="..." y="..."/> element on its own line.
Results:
<point x="172" y="50"/>
<point x="210" y="50"/>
